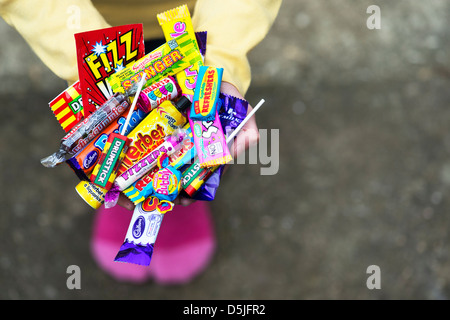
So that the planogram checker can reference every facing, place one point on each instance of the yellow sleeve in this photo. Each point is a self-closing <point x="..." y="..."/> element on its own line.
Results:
<point x="49" y="26"/>
<point x="234" y="27"/>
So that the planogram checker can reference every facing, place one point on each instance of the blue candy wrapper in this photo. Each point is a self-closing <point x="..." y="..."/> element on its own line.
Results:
<point x="206" y="94"/>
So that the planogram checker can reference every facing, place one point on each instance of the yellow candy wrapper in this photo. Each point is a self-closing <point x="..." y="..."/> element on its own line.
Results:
<point x="174" y="23"/>
<point x="166" y="60"/>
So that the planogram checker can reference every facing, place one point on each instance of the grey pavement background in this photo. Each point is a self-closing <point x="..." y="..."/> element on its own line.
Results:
<point x="364" y="168"/>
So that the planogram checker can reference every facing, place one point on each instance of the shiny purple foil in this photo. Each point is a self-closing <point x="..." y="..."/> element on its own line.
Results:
<point x="231" y="113"/>
<point x="201" y="41"/>
<point x="135" y="253"/>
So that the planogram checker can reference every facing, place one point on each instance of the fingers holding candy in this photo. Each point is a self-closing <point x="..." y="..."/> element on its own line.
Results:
<point x="249" y="134"/>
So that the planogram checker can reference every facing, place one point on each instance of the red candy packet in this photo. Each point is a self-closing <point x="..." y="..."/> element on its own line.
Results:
<point x="68" y="107"/>
<point x="101" y="53"/>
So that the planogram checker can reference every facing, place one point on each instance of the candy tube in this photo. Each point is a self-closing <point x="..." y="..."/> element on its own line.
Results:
<point x="166" y="60"/>
<point x="142" y="231"/>
<point x="91" y="193"/>
<point x="174" y="23"/>
<point x="186" y="153"/>
<point x="164" y="183"/>
<point x="142" y="188"/>
<point x="152" y="96"/>
<point x="191" y="173"/>
<point x="88" y="129"/>
<point x="210" y="142"/>
<point x="170" y="145"/>
<point x="206" y="96"/>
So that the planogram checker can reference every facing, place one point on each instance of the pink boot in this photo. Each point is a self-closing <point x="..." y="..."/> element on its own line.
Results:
<point x="183" y="249"/>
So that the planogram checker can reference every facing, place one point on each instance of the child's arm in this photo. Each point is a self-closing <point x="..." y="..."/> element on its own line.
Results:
<point x="234" y="27"/>
<point x="48" y="27"/>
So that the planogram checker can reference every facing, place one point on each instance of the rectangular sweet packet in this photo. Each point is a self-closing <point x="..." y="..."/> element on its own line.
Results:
<point x="102" y="52"/>
<point x="166" y="60"/>
<point x="210" y="142"/>
<point x="174" y="23"/>
<point x="68" y="107"/>
<point x="105" y="171"/>
<point x="206" y="96"/>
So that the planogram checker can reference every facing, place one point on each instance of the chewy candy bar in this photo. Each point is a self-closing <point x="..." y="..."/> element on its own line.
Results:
<point x="166" y="60"/>
<point x="142" y="188"/>
<point x="142" y="231"/>
<point x="206" y="96"/>
<point x="101" y="53"/>
<point x="210" y="142"/>
<point x="106" y="169"/>
<point x="174" y="23"/>
<point x="88" y="129"/>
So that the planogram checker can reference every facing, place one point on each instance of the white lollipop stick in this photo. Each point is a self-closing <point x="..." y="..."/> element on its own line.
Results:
<point x="133" y="105"/>
<point x="236" y="131"/>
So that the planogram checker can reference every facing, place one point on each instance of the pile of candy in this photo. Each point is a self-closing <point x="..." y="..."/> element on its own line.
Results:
<point x="151" y="126"/>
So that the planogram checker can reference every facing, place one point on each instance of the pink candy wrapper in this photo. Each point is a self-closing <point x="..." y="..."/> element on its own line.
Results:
<point x="210" y="142"/>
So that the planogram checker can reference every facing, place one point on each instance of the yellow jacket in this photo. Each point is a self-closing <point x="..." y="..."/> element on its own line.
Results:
<point x="234" y="27"/>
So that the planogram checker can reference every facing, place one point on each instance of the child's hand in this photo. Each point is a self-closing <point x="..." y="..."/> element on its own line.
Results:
<point x="249" y="134"/>
<point x="247" y="137"/>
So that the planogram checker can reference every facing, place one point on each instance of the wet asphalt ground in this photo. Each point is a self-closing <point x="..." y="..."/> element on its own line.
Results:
<point x="361" y="176"/>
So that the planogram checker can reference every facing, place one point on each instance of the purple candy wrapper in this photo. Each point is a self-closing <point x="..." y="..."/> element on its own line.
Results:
<point x="201" y="37"/>
<point x="143" y="231"/>
<point x="232" y="112"/>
